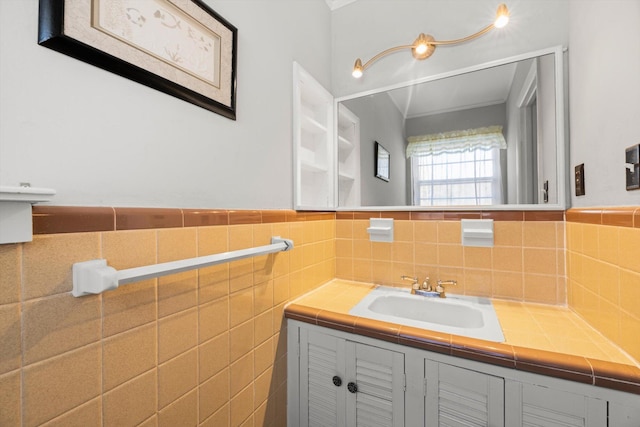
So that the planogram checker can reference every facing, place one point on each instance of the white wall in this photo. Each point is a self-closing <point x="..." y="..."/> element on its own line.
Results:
<point x="102" y="140"/>
<point x="604" y="85"/>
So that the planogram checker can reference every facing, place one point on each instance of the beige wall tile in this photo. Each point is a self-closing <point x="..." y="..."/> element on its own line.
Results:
<point x="220" y="418"/>
<point x="425" y="231"/>
<point x="574" y="236"/>
<point x="177" y="377"/>
<point x="128" y="355"/>
<point x="449" y="232"/>
<point x="10" y="260"/>
<point x="476" y="282"/>
<point x="263" y="356"/>
<point x="540" y="288"/>
<point x="263" y="326"/>
<point x="177" y="334"/>
<point x="280" y="289"/>
<point x="477" y="257"/>
<point x="129" y="306"/>
<point x="182" y="412"/>
<point x="86" y="415"/>
<point x="263" y="385"/>
<point x="508" y="233"/>
<point x="628" y="339"/>
<point x="241" y="373"/>
<point x="213" y="283"/>
<point x="213" y="319"/>
<point x="48" y="259"/>
<point x="403" y="252"/>
<point x="10" y="338"/>
<point x="403" y="231"/>
<point x="344" y="229"/>
<point x="240" y="340"/>
<point x="240" y="237"/>
<point x="630" y="292"/>
<point x="213" y="356"/>
<point x="241" y="406"/>
<point x="241" y="306"/>
<point x="262" y="297"/>
<point x="60" y="384"/>
<point x="59" y="323"/>
<point x="240" y="275"/>
<point x="177" y="292"/>
<point x="10" y="413"/>
<point x="133" y="402"/>
<point x="131" y="248"/>
<point x="539" y="234"/>
<point x="150" y="422"/>
<point x="263" y="268"/>
<point x="381" y="251"/>
<point x="507" y="258"/>
<point x="540" y="261"/>
<point x="360" y="229"/>
<point x="450" y="255"/>
<point x="508" y="285"/>
<point x="382" y="272"/>
<point x="213" y="395"/>
<point x="590" y="240"/>
<point x="629" y="249"/>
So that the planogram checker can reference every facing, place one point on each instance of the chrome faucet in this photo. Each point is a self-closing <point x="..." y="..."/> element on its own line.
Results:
<point x="440" y="287"/>
<point x="425" y="289"/>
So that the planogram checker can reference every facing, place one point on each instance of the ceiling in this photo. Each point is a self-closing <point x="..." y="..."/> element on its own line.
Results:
<point x="336" y="4"/>
<point x="479" y="88"/>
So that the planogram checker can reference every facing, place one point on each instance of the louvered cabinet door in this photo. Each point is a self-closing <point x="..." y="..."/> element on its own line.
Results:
<point x="322" y="402"/>
<point x="457" y="397"/>
<point x="375" y="396"/>
<point x="532" y="405"/>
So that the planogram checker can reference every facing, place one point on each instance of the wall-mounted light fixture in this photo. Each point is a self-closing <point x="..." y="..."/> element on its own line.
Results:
<point x="424" y="46"/>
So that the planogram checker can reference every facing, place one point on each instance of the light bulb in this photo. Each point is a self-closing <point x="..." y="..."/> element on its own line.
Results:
<point x="502" y="16"/>
<point x="421" y="48"/>
<point x="357" y="69"/>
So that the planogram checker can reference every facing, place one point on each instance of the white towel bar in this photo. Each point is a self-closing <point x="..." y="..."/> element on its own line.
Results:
<point x="94" y="277"/>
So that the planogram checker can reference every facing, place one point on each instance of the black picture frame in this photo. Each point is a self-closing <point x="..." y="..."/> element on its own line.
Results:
<point x="382" y="161"/>
<point x="53" y="34"/>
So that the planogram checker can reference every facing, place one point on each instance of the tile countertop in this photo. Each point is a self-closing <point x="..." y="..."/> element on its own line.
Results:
<point x="543" y="339"/>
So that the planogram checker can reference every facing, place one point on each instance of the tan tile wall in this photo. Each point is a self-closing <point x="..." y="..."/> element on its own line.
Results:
<point x="204" y="347"/>
<point x="604" y="274"/>
<point x="526" y="264"/>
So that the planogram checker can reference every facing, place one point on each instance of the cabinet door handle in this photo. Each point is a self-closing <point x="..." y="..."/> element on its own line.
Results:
<point x="352" y="387"/>
<point x="337" y="381"/>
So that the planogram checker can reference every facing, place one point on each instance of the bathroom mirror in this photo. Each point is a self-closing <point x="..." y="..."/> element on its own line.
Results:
<point x="521" y="95"/>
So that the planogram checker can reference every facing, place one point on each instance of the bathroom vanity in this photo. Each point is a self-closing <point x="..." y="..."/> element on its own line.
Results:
<point x="346" y="370"/>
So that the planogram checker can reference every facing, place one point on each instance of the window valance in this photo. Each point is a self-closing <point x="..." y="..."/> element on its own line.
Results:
<point x="484" y="138"/>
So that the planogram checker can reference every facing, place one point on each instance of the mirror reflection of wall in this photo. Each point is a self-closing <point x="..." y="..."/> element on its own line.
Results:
<point x="518" y="97"/>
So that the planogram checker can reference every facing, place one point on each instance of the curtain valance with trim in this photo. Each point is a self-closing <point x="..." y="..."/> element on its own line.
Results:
<point x="484" y="138"/>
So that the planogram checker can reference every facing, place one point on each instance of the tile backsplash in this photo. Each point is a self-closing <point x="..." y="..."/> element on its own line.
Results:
<point x="603" y="266"/>
<point x="204" y="347"/>
<point x="208" y="347"/>
<point x="525" y="264"/>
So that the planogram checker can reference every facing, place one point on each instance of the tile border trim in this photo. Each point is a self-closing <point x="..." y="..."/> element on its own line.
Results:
<point x="434" y="215"/>
<point x="82" y="219"/>
<point x="622" y="216"/>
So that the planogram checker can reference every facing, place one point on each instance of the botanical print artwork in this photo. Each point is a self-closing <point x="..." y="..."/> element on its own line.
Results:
<point x="161" y="29"/>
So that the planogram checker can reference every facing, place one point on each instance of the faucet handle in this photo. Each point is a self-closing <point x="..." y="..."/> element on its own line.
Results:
<point x="412" y="278"/>
<point x="440" y="288"/>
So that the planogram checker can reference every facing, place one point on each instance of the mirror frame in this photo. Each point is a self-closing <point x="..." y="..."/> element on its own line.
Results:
<point x="561" y="137"/>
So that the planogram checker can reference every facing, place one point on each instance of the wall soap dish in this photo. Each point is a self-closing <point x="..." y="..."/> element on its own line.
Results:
<point x="15" y="211"/>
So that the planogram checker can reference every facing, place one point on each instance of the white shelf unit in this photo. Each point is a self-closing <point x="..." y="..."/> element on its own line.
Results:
<point x="348" y="138"/>
<point x="314" y="153"/>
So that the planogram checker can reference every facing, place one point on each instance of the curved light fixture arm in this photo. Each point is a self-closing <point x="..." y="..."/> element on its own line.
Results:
<point x="424" y="46"/>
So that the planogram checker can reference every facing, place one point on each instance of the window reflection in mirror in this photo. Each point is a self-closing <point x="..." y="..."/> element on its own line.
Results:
<point x="517" y="96"/>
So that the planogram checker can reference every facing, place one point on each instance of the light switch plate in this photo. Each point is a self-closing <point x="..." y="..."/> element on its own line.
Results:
<point x="632" y="169"/>
<point x="579" y="180"/>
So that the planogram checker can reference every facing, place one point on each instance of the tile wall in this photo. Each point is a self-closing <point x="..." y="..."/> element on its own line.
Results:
<point x="526" y="264"/>
<point x="603" y="266"/>
<point x="204" y="347"/>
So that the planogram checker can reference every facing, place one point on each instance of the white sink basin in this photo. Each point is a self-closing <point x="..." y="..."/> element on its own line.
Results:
<point x="456" y="314"/>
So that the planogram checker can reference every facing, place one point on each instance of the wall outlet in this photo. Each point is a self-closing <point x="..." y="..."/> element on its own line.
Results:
<point x="579" y="179"/>
<point x="632" y="159"/>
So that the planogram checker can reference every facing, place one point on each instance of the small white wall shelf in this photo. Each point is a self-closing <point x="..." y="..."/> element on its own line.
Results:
<point x="16" y="224"/>
<point x="348" y="137"/>
<point x="313" y="148"/>
<point x="380" y="229"/>
<point x="477" y="232"/>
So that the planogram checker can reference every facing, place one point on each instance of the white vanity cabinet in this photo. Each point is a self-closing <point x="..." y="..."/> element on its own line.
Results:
<point x="405" y="386"/>
<point x="462" y="397"/>
<point x="345" y="383"/>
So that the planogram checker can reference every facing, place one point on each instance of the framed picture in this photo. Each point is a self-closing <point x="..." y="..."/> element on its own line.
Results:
<point x="179" y="47"/>
<point x="382" y="160"/>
